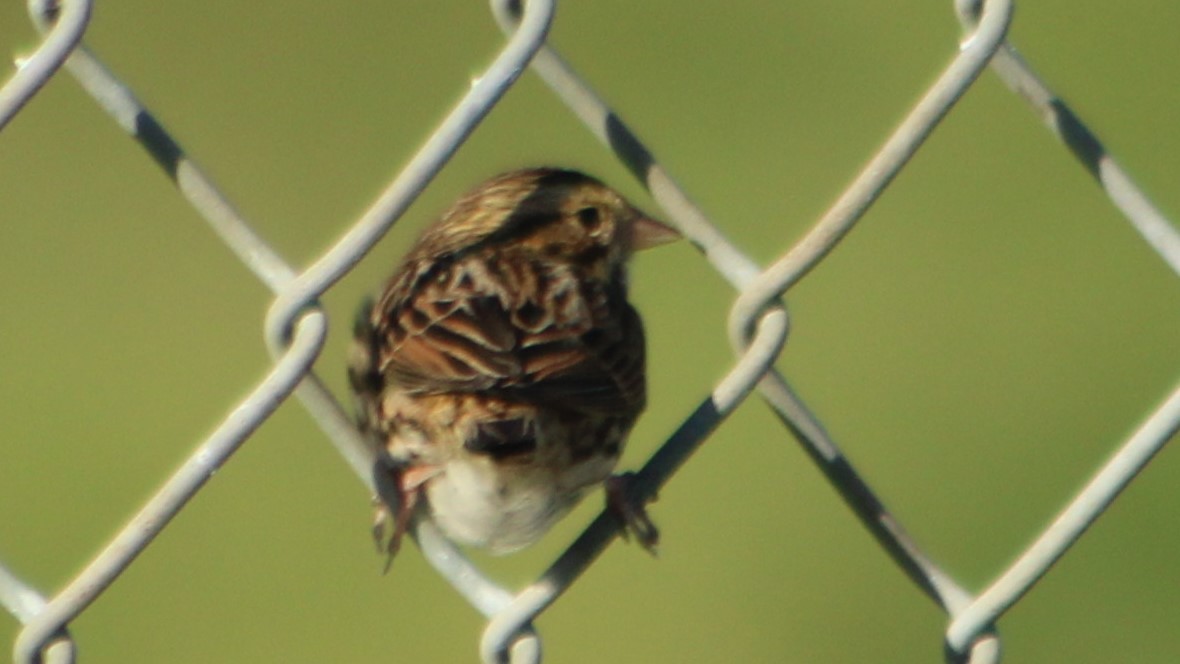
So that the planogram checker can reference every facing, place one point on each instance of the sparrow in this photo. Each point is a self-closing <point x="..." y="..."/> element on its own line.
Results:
<point x="501" y="368"/>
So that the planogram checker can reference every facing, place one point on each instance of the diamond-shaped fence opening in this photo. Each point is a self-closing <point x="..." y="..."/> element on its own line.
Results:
<point x="760" y="327"/>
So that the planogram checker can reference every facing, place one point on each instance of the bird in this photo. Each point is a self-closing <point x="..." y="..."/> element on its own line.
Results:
<point x="501" y="368"/>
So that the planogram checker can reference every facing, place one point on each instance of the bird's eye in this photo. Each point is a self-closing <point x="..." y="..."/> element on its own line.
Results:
<point x="589" y="218"/>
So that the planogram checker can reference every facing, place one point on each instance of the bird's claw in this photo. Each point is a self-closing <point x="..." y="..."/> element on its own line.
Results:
<point x="622" y="502"/>
<point x="396" y="521"/>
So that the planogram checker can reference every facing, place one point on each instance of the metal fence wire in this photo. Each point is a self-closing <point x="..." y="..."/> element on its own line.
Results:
<point x="758" y="327"/>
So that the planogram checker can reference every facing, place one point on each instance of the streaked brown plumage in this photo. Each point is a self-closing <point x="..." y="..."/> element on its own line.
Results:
<point x="502" y="367"/>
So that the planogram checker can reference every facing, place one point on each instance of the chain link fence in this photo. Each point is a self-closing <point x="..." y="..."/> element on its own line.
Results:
<point x="758" y="328"/>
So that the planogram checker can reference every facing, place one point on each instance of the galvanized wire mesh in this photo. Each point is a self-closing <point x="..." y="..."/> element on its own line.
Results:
<point x="759" y="324"/>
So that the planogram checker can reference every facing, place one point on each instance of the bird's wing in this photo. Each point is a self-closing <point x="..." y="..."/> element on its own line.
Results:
<point x="512" y="326"/>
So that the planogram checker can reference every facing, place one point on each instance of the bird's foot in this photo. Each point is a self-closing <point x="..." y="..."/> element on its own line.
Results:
<point x="621" y="500"/>
<point x="397" y="522"/>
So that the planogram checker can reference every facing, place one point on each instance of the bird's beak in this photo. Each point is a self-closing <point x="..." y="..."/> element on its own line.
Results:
<point x="647" y="233"/>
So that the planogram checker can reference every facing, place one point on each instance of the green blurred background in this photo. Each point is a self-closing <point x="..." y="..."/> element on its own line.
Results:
<point x="978" y="346"/>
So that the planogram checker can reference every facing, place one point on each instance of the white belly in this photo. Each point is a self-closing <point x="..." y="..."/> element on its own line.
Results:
<point x="477" y="503"/>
